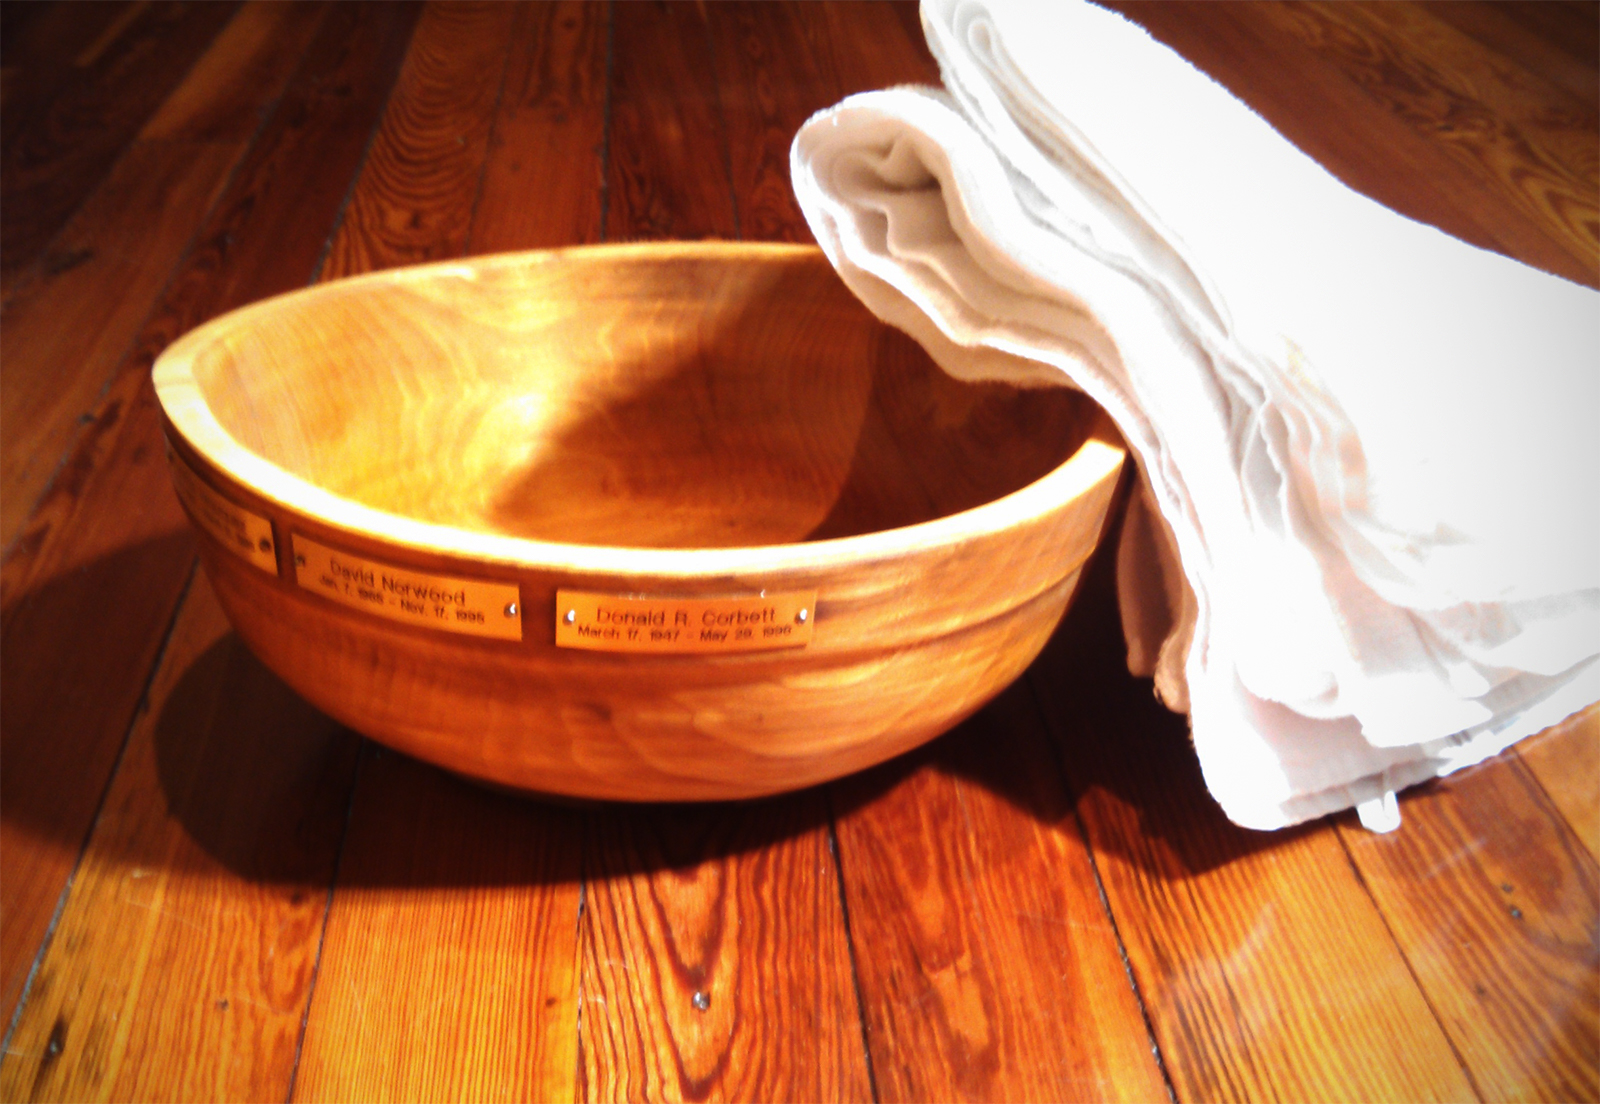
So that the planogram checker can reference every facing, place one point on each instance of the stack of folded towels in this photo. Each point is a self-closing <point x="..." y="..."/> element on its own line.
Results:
<point x="1365" y="547"/>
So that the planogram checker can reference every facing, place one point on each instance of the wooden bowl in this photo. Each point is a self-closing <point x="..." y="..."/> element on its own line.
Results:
<point x="648" y="522"/>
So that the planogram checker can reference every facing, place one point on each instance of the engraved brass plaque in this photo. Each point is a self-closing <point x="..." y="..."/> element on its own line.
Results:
<point x="404" y="594"/>
<point x="627" y="623"/>
<point x="239" y="530"/>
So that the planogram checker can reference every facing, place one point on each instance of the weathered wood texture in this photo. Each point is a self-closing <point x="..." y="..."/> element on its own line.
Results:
<point x="415" y="196"/>
<point x="449" y="970"/>
<point x="1566" y="761"/>
<point x="959" y="862"/>
<point x="716" y="962"/>
<point x="1044" y="904"/>
<point x="667" y="157"/>
<point x="543" y="183"/>
<point x="42" y="47"/>
<point x="1516" y="943"/>
<point x="182" y="966"/>
<point x="65" y="141"/>
<point x="1265" y="966"/>
<point x="91" y="586"/>
<point x="64" y="330"/>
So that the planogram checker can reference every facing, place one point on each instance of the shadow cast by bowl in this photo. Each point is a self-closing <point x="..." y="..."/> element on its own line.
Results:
<point x="266" y="785"/>
<point x="263" y="784"/>
<point x="73" y="663"/>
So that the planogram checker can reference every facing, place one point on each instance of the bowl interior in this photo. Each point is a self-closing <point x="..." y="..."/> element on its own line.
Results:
<point x="627" y="400"/>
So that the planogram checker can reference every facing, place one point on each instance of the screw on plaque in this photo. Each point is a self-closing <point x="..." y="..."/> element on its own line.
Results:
<point x="265" y="545"/>
<point x="572" y="615"/>
<point x="511" y="609"/>
<point x="800" y="618"/>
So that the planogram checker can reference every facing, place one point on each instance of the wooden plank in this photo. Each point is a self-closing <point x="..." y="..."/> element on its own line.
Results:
<point x="715" y="958"/>
<point x="667" y="167"/>
<point x="542" y="186"/>
<point x="74" y="314"/>
<point x="1566" y="761"/>
<point x="58" y="156"/>
<point x="1496" y="904"/>
<point x="736" y="904"/>
<point x="1511" y="113"/>
<point x="1494" y="122"/>
<point x="1301" y="92"/>
<point x="236" y="83"/>
<point x="415" y="197"/>
<point x="93" y="581"/>
<point x="1568" y="24"/>
<point x="61" y="741"/>
<point x="65" y="333"/>
<point x="450" y="969"/>
<point x="960" y="863"/>
<point x="875" y="45"/>
<point x="1265" y="968"/>
<point x="39" y="46"/>
<point x="760" y="48"/>
<point x="450" y="966"/>
<point x="181" y="968"/>
<point x="816" y="54"/>
<point x="1553" y="54"/>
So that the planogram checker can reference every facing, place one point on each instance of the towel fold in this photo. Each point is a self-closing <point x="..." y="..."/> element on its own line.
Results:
<point x="1365" y="547"/>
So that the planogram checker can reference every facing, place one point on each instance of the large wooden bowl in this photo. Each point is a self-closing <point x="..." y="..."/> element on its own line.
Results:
<point x="654" y="522"/>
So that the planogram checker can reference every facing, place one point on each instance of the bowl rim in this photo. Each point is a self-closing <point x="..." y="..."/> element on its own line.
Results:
<point x="183" y="401"/>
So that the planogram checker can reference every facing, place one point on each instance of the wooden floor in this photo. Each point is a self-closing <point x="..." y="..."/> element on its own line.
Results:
<point x="211" y="892"/>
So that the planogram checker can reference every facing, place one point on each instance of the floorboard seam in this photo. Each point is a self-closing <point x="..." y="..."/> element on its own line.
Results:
<point x="850" y="945"/>
<point x="327" y="914"/>
<point x="583" y="904"/>
<point x="160" y="300"/>
<point x="1100" y="889"/>
<point x="488" y="144"/>
<point x="722" y="117"/>
<point x="34" y="268"/>
<point x="1542" y="797"/>
<point x="361" y="166"/>
<point x="605" y="123"/>
<point x="139" y="710"/>
<point x="1383" y="918"/>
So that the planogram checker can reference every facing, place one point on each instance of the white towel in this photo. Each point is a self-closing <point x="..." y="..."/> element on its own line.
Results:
<point x="1366" y="546"/>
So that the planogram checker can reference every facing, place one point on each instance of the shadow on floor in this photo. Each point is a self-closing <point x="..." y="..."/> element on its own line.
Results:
<point x="264" y="785"/>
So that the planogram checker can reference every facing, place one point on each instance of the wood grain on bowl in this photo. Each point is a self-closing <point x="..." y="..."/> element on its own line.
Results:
<point x="440" y="451"/>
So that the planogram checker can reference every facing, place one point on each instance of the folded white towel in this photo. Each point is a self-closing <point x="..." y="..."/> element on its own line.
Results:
<point x="1366" y="547"/>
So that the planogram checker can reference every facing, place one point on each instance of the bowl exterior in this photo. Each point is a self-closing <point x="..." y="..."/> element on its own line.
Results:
<point x="904" y="647"/>
<point x="440" y="638"/>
